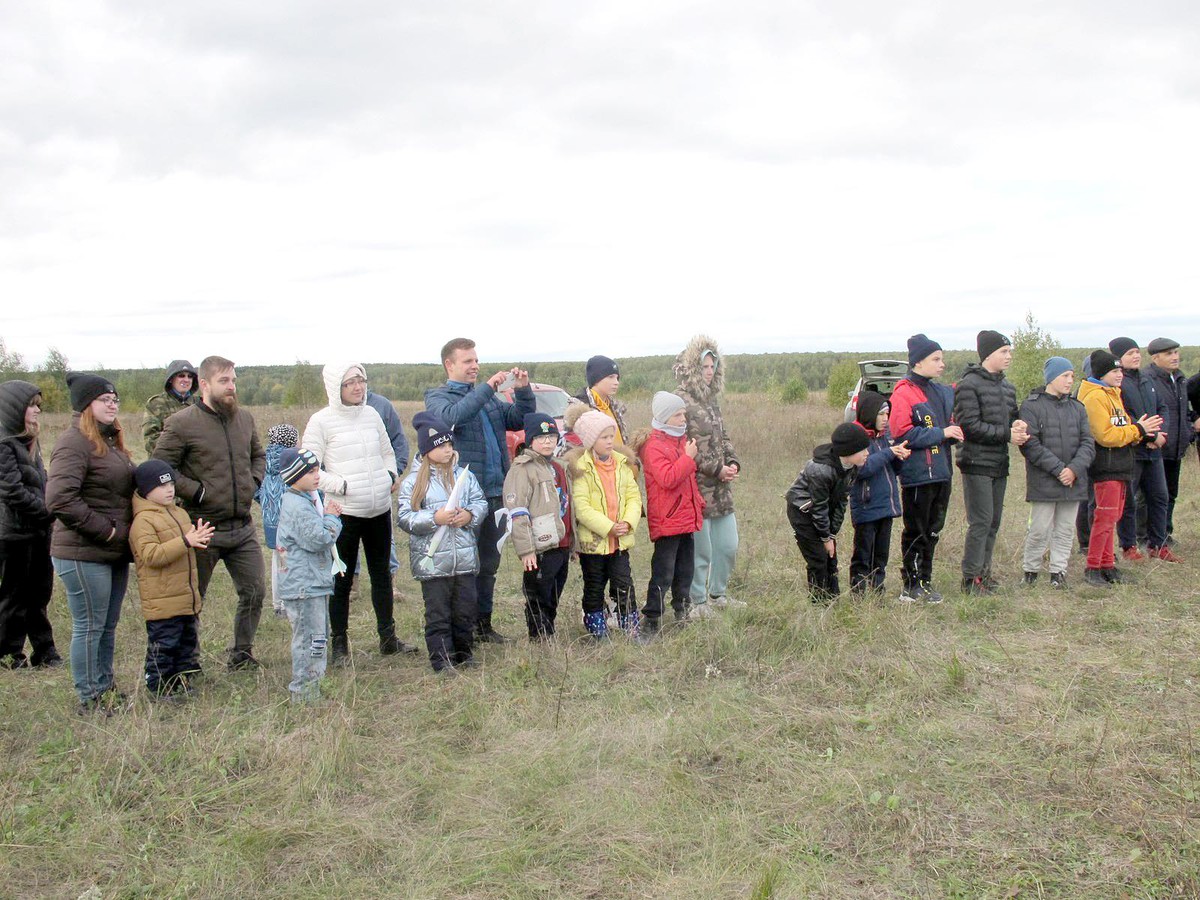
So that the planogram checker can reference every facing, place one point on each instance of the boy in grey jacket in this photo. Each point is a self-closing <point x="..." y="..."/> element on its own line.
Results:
<point x="308" y="533"/>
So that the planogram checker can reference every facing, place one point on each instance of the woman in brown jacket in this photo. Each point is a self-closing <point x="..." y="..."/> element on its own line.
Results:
<point x="89" y="493"/>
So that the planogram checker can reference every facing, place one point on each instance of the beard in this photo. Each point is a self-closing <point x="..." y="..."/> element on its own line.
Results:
<point x="227" y="406"/>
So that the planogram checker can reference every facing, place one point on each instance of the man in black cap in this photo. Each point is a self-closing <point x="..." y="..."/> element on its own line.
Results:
<point x="1180" y="423"/>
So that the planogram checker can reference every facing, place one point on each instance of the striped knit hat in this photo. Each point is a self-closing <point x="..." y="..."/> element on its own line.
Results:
<point x="295" y="464"/>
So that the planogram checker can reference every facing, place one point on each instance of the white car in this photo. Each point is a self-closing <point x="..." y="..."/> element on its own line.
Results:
<point x="879" y="375"/>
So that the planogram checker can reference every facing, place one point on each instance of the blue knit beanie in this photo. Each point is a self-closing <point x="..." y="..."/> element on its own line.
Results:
<point x="1054" y="367"/>
<point x="919" y="347"/>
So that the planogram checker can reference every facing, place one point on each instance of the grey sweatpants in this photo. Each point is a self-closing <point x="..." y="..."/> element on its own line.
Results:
<point x="1051" y="526"/>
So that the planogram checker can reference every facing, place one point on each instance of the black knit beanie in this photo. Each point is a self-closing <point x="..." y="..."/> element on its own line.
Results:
<point x="1102" y="362"/>
<point x="919" y="347"/>
<point x="1120" y="346"/>
<point x="988" y="342"/>
<point x="86" y="387"/>
<point x="151" y="474"/>
<point x="849" y="438"/>
<point x="599" y="368"/>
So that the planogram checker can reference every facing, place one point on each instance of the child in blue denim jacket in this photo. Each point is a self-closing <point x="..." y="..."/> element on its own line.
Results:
<point x="308" y="530"/>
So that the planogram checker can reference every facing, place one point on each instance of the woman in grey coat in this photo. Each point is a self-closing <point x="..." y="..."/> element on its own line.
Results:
<point x="1057" y="455"/>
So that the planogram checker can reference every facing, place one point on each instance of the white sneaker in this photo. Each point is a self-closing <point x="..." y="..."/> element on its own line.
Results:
<point x="726" y="603"/>
<point x="701" y="611"/>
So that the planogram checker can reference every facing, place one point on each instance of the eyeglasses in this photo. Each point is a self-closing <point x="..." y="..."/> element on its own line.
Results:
<point x="110" y="401"/>
<point x="353" y="382"/>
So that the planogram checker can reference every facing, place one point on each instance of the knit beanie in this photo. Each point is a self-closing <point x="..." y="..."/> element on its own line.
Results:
<point x="295" y="464"/>
<point x="599" y="368"/>
<point x="285" y="435"/>
<point x="1102" y="362"/>
<point x="988" y="342"/>
<point x="1120" y="346"/>
<point x="86" y="387"/>
<point x="1055" y="366"/>
<point x="849" y="438"/>
<point x="431" y="431"/>
<point x="869" y="405"/>
<point x="664" y="405"/>
<point x="590" y="426"/>
<point x="1161" y="345"/>
<point x="538" y="424"/>
<point x="920" y="347"/>
<point x="151" y="474"/>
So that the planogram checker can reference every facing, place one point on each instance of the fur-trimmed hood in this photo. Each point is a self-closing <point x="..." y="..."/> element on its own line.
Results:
<point x="687" y="369"/>
<point x="575" y="409"/>
<point x="572" y="459"/>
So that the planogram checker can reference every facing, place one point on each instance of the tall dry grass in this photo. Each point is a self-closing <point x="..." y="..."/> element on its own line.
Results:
<point x="1027" y="744"/>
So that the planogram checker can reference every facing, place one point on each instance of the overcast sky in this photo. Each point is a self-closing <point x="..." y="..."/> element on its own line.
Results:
<point x="275" y="181"/>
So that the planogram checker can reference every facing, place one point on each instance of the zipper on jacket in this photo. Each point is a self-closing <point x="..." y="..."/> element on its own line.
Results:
<point x="191" y="549"/>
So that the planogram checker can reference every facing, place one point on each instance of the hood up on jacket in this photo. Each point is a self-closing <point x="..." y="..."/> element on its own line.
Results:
<point x="178" y="367"/>
<point x="687" y="368"/>
<point x="14" y="400"/>
<point x="334" y="374"/>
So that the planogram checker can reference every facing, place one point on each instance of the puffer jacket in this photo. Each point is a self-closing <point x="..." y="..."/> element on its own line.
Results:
<point x="530" y="485"/>
<point x="219" y="462"/>
<point x="308" y="539"/>
<point x="358" y="464"/>
<point x="89" y="496"/>
<point x="821" y="490"/>
<point x="706" y="425"/>
<point x="673" y="501"/>
<point x="394" y="428"/>
<point x="1177" y="423"/>
<point x="458" y="552"/>
<point x="1140" y="397"/>
<point x="921" y="411"/>
<point x="459" y="405"/>
<point x="592" y="523"/>
<point x="985" y="407"/>
<point x="270" y="495"/>
<point x="166" y="565"/>
<point x="875" y="493"/>
<point x="1114" y="432"/>
<point x="162" y="406"/>
<point x="23" y="513"/>
<point x="1059" y="438"/>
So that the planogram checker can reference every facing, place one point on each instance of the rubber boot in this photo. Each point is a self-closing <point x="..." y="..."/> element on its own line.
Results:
<point x="486" y="634"/>
<point x="597" y="625"/>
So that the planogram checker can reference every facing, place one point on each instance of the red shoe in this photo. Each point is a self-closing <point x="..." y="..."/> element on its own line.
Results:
<point x="1133" y="554"/>
<point x="1165" y="554"/>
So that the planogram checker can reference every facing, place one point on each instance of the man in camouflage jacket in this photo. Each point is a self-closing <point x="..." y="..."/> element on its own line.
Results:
<point x="178" y="394"/>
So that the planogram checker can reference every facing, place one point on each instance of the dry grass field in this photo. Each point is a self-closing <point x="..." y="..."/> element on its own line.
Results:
<point x="1030" y="744"/>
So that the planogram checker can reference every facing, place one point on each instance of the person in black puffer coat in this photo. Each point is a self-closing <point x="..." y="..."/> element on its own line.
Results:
<point x="985" y="407"/>
<point x="26" y="577"/>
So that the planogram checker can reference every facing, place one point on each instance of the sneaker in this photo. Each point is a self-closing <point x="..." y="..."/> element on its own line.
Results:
<point x="910" y="594"/>
<point x="1133" y="554"/>
<point x="243" y="661"/>
<point x="1162" y="553"/>
<point x="929" y="595"/>
<point x="976" y="587"/>
<point x="1058" y="581"/>
<point x="700" y="611"/>
<point x="726" y="603"/>
<point x="15" y="661"/>
<point x="1096" y="577"/>
<point x="1031" y="577"/>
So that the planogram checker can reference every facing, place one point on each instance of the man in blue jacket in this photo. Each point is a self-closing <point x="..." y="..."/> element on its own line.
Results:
<point x="481" y="421"/>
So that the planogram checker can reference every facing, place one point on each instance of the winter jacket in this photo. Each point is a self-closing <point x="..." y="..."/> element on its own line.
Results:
<point x="921" y="411"/>
<point x="985" y="407"/>
<point x="1113" y="430"/>
<point x="219" y="462"/>
<point x="592" y="523"/>
<point x="308" y="539"/>
<point x="1177" y="423"/>
<point x="90" y="498"/>
<point x="673" y="501"/>
<point x="23" y="513"/>
<point x="616" y="410"/>
<point x="530" y="486"/>
<point x="706" y="425"/>
<point x="1059" y="438"/>
<point x="821" y="490"/>
<point x="875" y="493"/>
<point x="394" y="428"/>
<point x="458" y="552"/>
<point x="358" y="465"/>
<point x="270" y="494"/>
<point x="166" y="565"/>
<point x="1140" y="397"/>
<point x="459" y="405"/>
<point x="162" y="406"/>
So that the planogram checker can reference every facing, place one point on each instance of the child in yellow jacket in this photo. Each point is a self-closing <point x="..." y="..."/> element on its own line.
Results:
<point x="607" y="507"/>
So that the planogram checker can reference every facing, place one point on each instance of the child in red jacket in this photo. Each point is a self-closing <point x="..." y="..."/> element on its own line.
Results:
<point x="674" y="508"/>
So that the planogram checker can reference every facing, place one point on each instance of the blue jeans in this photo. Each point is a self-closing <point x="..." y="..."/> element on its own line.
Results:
<point x="1149" y="475"/>
<point x="94" y="594"/>
<point x="310" y="634"/>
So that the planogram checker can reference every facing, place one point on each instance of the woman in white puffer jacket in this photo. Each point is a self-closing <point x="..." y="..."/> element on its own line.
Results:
<point x="358" y="468"/>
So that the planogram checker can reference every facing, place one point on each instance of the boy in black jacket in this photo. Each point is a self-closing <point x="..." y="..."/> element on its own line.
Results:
<point x="816" y="504"/>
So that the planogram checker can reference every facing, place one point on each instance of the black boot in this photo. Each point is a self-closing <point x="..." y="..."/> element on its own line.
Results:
<point x="339" y="651"/>
<point x="486" y="634"/>
<point x="389" y="643"/>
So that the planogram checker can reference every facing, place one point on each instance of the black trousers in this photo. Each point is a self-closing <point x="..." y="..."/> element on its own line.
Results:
<point x="450" y="609"/>
<point x="872" y="546"/>
<point x="171" y="646"/>
<point x="26" y="583"/>
<point x="671" y="566"/>
<point x="607" y="569"/>
<point x="1171" y="468"/>
<point x="375" y="534"/>
<point x="1083" y="519"/>
<point x="489" y="559"/>
<point x="924" y="507"/>
<point x="822" y="568"/>
<point x="542" y="589"/>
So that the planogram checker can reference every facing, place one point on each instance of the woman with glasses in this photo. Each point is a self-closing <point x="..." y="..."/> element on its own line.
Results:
<point x="89" y="493"/>
<point x="358" y="469"/>
<point x="26" y="579"/>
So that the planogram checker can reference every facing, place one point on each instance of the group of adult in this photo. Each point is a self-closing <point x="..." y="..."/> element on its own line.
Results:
<point x="74" y="518"/>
